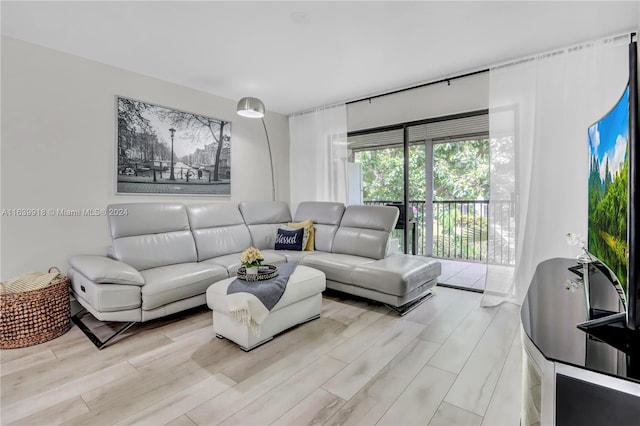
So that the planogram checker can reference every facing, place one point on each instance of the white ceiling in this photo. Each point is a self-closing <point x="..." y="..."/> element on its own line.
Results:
<point x="296" y="55"/>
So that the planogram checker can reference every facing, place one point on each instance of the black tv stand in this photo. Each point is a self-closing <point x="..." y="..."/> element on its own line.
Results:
<point x="612" y="329"/>
<point x="569" y="371"/>
<point x="602" y="318"/>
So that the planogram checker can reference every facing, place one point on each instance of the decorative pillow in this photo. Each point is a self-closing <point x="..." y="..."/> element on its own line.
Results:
<point x="307" y="224"/>
<point x="305" y="236"/>
<point x="290" y="239"/>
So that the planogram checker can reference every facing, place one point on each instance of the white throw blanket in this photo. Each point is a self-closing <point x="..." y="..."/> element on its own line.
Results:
<point x="251" y="302"/>
<point x="247" y="309"/>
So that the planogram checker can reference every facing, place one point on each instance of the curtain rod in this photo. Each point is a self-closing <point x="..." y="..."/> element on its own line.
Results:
<point x="561" y="50"/>
<point x="418" y="86"/>
<point x="443" y="80"/>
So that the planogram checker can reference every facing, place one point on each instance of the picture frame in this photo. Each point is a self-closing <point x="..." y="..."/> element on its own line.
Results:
<point x="165" y="151"/>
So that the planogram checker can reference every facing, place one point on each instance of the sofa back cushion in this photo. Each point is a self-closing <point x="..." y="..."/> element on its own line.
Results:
<point x="218" y="229"/>
<point x="263" y="218"/>
<point x="326" y="217"/>
<point x="365" y="231"/>
<point x="148" y="235"/>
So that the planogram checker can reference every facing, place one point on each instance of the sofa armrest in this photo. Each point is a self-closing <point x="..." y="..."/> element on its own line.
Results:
<point x="100" y="269"/>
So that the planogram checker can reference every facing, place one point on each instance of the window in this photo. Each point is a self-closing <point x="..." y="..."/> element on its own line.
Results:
<point x="448" y="160"/>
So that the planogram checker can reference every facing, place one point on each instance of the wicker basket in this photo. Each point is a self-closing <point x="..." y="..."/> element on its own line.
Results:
<point x="34" y="309"/>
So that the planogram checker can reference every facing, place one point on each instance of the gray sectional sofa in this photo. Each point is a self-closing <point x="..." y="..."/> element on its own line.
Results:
<point x="164" y="256"/>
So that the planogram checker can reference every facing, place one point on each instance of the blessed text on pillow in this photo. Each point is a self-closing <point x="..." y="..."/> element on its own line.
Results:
<point x="290" y="239"/>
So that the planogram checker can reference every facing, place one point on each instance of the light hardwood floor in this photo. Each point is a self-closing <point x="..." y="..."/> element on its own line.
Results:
<point x="449" y="362"/>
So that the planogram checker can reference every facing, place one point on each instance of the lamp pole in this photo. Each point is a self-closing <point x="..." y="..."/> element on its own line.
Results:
<point x="254" y="108"/>
<point x="153" y="160"/>
<point x="171" y="175"/>
<point x="273" y="180"/>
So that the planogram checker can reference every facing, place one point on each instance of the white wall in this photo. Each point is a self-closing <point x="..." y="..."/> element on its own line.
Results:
<point x="58" y="136"/>
<point x="437" y="100"/>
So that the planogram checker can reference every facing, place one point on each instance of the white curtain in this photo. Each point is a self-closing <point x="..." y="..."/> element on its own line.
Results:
<point x="318" y="155"/>
<point x="539" y="111"/>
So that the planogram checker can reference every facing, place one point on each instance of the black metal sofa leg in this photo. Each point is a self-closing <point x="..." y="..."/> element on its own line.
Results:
<point x="408" y="307"/>
<point x="77" y="320"/>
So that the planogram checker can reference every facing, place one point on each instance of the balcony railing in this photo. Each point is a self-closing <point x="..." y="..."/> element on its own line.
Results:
<point x="471" y="230"/>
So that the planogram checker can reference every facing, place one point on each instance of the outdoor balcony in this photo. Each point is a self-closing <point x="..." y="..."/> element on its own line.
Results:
<point x="466" y="235"/>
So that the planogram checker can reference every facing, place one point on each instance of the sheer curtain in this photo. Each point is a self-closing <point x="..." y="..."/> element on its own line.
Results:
<point x="318" y="155"/>
<point x="539" y="112"/>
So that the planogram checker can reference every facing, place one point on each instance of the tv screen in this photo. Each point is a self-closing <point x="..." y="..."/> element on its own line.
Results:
<point x="609" y="188"/>
<point x="613" y="178"/>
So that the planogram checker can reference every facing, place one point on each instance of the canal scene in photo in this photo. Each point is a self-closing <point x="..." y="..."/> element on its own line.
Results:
<point x="166" y="151"/>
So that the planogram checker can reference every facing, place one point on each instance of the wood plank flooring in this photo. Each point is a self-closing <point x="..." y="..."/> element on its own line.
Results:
<point x="449" y="362"/>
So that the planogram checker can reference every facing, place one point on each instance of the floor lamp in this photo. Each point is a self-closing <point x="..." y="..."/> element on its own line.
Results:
<point x="254" y="108"/>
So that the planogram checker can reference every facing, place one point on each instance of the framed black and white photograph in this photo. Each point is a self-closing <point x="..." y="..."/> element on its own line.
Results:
<point x="166" y="151"/>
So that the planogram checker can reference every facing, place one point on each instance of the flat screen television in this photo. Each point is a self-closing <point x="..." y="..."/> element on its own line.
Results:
<point x="613" y="180"/>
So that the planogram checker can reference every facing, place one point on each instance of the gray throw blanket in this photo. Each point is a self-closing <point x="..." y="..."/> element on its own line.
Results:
<point x="250" y="301"/>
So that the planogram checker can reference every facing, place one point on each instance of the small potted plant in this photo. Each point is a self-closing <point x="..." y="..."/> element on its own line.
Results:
<point x="251" y="258"/>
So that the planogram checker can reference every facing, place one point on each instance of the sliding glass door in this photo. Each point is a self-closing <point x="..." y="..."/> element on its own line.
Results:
<point x="421" y="167"/>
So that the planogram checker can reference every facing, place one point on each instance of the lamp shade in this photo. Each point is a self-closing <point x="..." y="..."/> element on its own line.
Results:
<point x="250" y="107"/>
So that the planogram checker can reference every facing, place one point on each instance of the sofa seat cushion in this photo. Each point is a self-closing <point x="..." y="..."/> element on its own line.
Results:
<point x="303" y="283"/>
<point x="273" y="257"/>
<point x="397" y="274"/>
<point x="232" y="261"/>
<point x="289" y="255"/>
<point x="229" y="261"/>
<point x="337" y="267"/>
<point x="168" y="284"/>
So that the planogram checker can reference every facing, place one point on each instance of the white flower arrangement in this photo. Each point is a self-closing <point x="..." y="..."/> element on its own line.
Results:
<point x="585" y="258"/>
<point x="578" y="241"/>
<point x="575" y="240"/>
<point x="251" y="257"/>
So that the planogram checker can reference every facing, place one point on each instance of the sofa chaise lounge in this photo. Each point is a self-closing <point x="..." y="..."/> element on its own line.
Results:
<point x="164" y="256"/>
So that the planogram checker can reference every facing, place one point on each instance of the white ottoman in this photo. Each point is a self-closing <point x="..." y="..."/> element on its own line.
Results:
<point x="300" y="302"/>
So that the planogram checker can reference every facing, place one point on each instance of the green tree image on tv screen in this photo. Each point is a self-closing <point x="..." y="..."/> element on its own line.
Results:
<point x="608" y="188"/>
